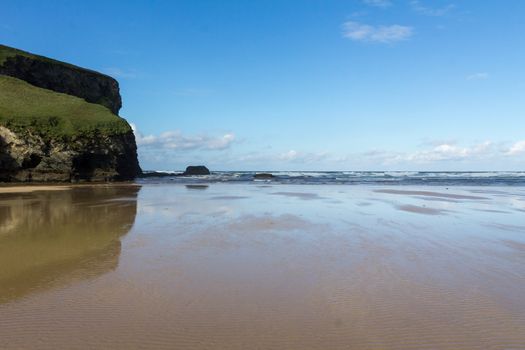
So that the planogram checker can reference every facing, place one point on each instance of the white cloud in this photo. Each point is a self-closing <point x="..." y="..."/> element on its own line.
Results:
<point x="290" y="155"/>
<point x="448" y="152"/>
<point x="378" y="3"/>
<point x="429" y="11"/>
<point x="176" y="140"/>
<point x="173" y="150"/>
<point x="487" y="152"/>
<point x="478" y="76"/>
<point x="516" y="149"/>
<point x="383" y="33"/>
<point x="436" y="154"/>
<point x="303" y="157"/>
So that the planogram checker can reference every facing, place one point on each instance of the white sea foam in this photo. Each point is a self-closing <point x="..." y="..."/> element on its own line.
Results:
<point x="357" y="177"/>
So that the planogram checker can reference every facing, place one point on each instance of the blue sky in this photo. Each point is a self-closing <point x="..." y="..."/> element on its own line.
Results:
<point x="301" y="85"/>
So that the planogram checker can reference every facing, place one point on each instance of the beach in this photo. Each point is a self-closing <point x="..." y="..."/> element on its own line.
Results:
<point x="262" y="266"/>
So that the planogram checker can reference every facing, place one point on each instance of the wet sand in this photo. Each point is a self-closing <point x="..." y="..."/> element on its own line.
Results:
<point x="234" y="266"/>
<point x="32" y="188"/>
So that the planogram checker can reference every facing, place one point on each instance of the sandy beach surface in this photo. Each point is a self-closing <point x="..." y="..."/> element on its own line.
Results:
<point x="242" y="266"/>
<point x="30" y="188"/>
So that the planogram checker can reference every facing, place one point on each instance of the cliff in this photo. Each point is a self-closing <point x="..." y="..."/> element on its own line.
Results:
<point x="58" y="123"/>
<point x="61" y="77"/>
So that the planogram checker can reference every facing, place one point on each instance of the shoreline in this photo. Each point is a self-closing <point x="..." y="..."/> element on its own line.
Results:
<point x="33" y="187"/>
<point x="379" y="188"/>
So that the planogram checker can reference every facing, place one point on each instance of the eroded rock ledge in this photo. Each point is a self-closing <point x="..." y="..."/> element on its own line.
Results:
<point x="33" y="158"/>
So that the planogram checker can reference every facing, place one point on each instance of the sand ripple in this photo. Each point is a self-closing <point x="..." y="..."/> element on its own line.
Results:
<point x="266" y="274"/>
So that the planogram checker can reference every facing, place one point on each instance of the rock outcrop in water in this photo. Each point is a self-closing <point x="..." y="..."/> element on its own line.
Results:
<point x="58" y="122"/>
<point x="263" y="176"/>
<point x="196" y="170"/>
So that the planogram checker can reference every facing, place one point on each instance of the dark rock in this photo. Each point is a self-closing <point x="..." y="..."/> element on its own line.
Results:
<point x="196" y="170"/>
<point x="197" y="187"/>
<point x="33" y="158"/>
<point x="263" y="176"/>
<point x="62" y="77"/>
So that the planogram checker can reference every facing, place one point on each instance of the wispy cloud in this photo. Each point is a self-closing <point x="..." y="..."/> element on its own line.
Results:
<point x="303" y="157"/>
<point x="120" y="73"/>
<point x="382" y="33"/>
<point x="176" y="140"/>
<point x="290" y="156"/>
<point x="478" y="76"/>
<point x="420" y="8"/>
<point x="451" y="152"/>
<point x="488" y="151"/>
<point x="174" y="149"/>
<point x="378" y="3"/>
<point x="436" y="154"/>
<point x="517" y="148"/>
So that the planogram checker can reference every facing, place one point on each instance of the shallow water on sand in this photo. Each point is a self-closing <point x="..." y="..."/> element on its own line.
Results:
<point x="238" y="266"/>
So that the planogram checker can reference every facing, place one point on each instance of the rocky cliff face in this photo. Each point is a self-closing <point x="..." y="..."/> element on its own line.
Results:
<point x="49" y="136"/>
<point x="31" y="157"/>
<point x="62" y="77"/>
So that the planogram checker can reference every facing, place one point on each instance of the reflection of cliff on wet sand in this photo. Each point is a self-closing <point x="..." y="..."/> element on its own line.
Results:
<point x="52" y="237"/>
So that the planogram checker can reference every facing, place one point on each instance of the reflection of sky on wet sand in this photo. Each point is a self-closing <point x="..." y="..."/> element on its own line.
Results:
<point x="234" y="266"/>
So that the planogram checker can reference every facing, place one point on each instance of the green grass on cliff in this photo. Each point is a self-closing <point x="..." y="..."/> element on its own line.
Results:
<point x="7" y="51"/>
<point x="24" y="108"/>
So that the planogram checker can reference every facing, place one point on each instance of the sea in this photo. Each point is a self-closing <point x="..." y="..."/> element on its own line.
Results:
<point x="448" y="178"/>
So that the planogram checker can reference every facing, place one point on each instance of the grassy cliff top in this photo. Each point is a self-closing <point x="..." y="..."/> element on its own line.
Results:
<point x="7" y="51"/>
<point x="24" y="107"/>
